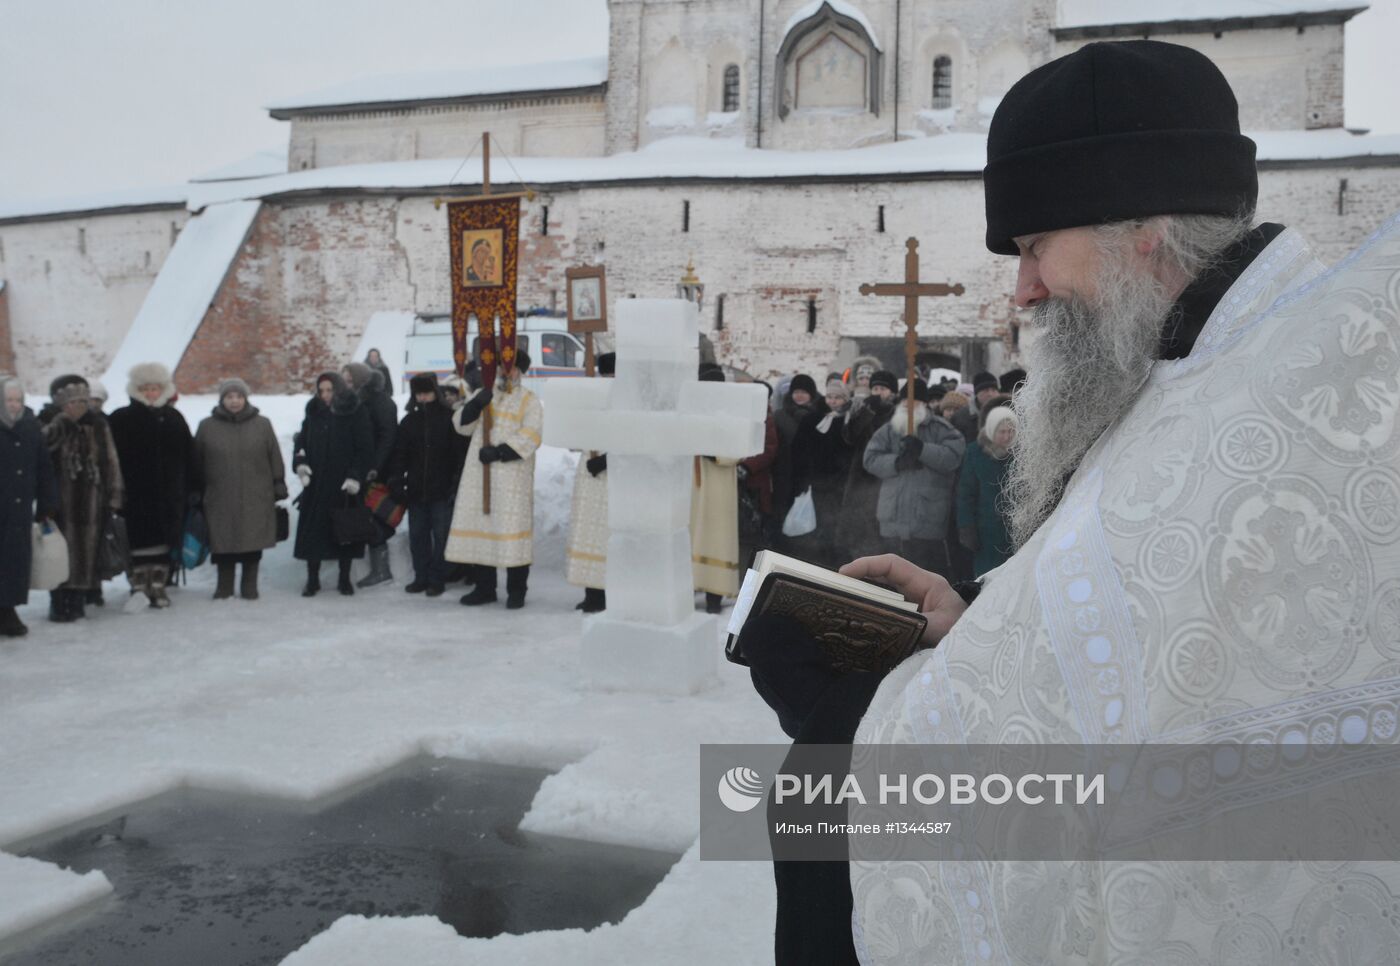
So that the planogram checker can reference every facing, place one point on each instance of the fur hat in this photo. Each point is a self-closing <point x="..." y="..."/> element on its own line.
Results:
<point x="150" y="374"/>
<point x="862" y="362"/>
<point x="983" y="380"/>
<point x="233" y="385"/>
<point x="995" y="417"/>
<point x="361" y="375"/>
<point x="952" y="402"/>
<point x="66" y="389"/>
<point x="1010" y="379"/>
<point x="804" y="382"/>
<point x="883" y="377"/>
<point x="96" y="390"/>
<point x="607" y="364"/>
<point x="423" y="382"/>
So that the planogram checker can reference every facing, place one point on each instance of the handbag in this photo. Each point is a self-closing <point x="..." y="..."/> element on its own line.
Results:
<point x="48" y="564"/>
<point x="113" y="549"/>
<point x="353" y="523"/>
<point x="194" y="546"/>
<point x="381" y="502"/>
<point x="284" y="523"/>
<point x="801" y="519"/>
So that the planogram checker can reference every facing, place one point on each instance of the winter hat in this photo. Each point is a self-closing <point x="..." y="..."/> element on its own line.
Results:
<point x="336" y="380"/>
<point x="1113" y="132"/>
<point x="66" y="389"/>
<point x="1010" y="379"/>
<point x="522" y="361"/>
<point x="96" y="390"/>
<point x="937" y="392"/>
<point x="804" y="382"/>
<point x="996" y="417"/>
<point x="607" y="364"/>
<point x="423" y="382"/>
<point x="456" y="384"/>
<point x="983" y="380"/>
<point x="361" y="375"/>
<point x="233" y="385"/>
<point x="952" y="402"/>
<point x="146" y="374"/>
<point x="920" y="391"/>
<point x="883" y="377"/>
<point x="835" y="387"/>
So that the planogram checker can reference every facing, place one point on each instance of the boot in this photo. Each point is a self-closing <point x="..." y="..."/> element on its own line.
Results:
<point x="94" y="597"/>
<point x="224" y="588"/>
<point x="248" y="587"/>
<point x="10" y="624"/>
<point x="713" y="603"/>
<point x="594" y="600"/>
<point x="313" y="579"/>
<point x="417" y="587"/>
<point x="516" y="579"/>
<point x="59" y="611"/>
<point x="160" y="576"/>
<point x="344" y="585"/>
<point x="378" y="567"/>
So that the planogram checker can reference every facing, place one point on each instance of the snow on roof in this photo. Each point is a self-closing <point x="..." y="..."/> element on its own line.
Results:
<point x="259" y="165"/>
<point x="187" y="283"/>
<point x="724" y="158"/>
<point x="446" y="84"/>
<point x="1098" y="13"/>
<point x="98" y="201"/>
<point x="839" y="6"/>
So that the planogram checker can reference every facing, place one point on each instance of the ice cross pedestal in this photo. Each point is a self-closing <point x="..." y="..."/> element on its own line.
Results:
<point x="652" y="420"/>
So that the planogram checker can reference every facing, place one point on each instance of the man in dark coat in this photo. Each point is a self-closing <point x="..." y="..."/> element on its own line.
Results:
<point x="26" y="479"/>
<point x="332" y="456"/>
<point x="423" y="471"/>
<point x="822" y="461"/>
<point x="858" y="529"/>
<point x="89" y="476"/>
<point x="800" y="402"/>
<point x="756" y="494"/>
<point x="156" y="450"/>
<point x="372" y="388"/>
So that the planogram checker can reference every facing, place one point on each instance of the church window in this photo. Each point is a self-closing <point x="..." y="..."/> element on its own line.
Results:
<point x="829" y="62"/>
<point x="719" y="313"/>
<point x="880" y="219"/>
<point x="811" y="315"/>
<point x="731" y="89"/>
<point x="544" y="219"/>
<point x="685" y="216"/>
<point x="942" y="82"/>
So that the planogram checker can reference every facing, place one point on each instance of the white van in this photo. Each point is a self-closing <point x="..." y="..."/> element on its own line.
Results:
<point x="554" y="351"/>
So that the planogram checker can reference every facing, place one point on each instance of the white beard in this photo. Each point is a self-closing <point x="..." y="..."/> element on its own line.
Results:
<point x="1085" y="366"/>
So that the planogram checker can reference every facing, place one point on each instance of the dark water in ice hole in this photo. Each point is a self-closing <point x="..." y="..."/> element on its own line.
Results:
<point x="218" y="880"/>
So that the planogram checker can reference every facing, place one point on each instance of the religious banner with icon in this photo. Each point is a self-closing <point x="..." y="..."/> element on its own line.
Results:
<point x="484" y="235"/>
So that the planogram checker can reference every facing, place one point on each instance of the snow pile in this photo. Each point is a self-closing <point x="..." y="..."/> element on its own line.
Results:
<point x="437" y="85"/>
<point x="1096" y="13"/>
<point x="172" y="195"/>
<point x="182" y="292"/>
<point x="34" y="892"/>
<point x="299" y="698"/>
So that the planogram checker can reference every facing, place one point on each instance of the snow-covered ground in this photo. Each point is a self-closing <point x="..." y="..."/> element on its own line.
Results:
<point x="299" y="698"/>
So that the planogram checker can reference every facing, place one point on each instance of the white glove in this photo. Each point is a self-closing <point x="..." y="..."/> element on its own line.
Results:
<point x="351" y="486"/>
<point x="304" y="474"/>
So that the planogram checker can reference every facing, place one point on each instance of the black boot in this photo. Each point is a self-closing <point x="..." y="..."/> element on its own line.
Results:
<point x="10" y="624"/>
<point x="344" y="585"/>
<point x="594" y="600"/>
<point x="713" y="603"/>
<point x="94" y="597"/>
<point x="248" y="587"/>
<point x="485" y="591"/>
<point x="516" y="580"/>
<point x="224" y="589"/>
<point x="379" y="572"/>
<point x="313" y="579"/>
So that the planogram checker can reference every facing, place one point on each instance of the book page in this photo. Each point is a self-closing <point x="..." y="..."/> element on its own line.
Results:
<point x="769" y="561"/>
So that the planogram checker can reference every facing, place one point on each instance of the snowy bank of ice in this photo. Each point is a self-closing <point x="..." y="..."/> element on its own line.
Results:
<point x="33" y="893"/>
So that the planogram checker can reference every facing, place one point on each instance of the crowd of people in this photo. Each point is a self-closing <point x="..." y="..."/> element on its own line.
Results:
<point x="864" y="466"/>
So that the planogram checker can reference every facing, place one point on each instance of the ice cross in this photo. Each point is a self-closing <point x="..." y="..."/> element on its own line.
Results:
<point x="652" y="420"/>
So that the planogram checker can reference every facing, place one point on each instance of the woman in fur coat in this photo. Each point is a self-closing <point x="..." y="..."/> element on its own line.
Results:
<point x="334" y="452"/>
<point x="156" y="448"/>
<point x="26" y="480"/>
<point x="89" y="488"/>
<point x="241" y="478"/>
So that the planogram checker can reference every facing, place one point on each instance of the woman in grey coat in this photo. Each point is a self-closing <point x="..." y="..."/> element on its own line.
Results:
<point x="916" y="483"/>
<point x="241" y="477"/>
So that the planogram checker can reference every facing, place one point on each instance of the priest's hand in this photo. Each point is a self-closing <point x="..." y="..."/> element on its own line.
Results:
<point x="488" y="454"/>
<point x="936" y="598"/>
<point x="597" y="464"/>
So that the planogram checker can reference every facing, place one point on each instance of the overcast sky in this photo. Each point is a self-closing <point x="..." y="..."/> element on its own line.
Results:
<point x="99" y="95"/>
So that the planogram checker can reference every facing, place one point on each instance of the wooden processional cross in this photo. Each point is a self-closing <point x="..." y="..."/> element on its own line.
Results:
<point x="911" y="289"/>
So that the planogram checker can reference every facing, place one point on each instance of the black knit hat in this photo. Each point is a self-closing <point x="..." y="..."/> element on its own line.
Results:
<point x="1115" y="132"/>
<point x="805" y="382"/>
<point x="1010" y="379"/>
<point x="883" y="377"/>
<point x="423" y="382"/>
<point x="607" y="364"/>
<point x="983" y="380"/>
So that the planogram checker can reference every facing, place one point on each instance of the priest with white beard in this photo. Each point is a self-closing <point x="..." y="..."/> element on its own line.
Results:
<point x="1205" y="503"/>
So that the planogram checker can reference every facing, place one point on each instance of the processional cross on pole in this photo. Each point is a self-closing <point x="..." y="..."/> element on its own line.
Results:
<point x="911" y="289"/>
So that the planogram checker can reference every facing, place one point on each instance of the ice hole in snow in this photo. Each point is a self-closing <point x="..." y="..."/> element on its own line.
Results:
<point x="218" y="878"/>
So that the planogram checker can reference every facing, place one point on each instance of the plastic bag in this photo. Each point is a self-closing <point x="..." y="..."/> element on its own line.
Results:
<point x="802" y="518"/>
<point x="48" y="567"/>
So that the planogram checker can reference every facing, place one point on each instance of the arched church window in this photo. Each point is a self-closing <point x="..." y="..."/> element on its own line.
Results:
<point x="731" y="88"/>
<point x="829" y="61"/>
<point x="942" y="82"/>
